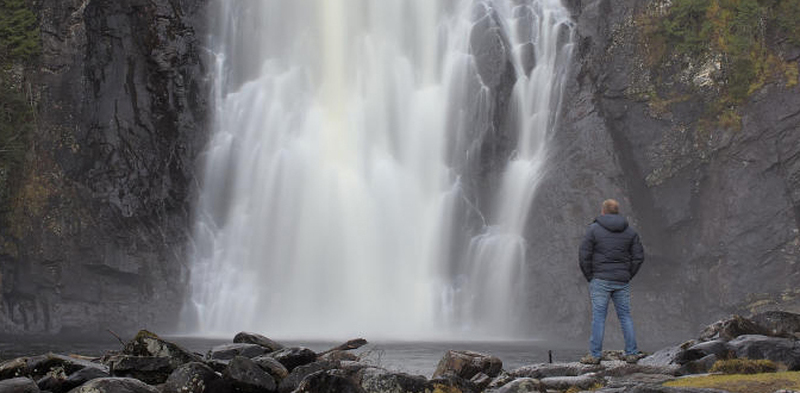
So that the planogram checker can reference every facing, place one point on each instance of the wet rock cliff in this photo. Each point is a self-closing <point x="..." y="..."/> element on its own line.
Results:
<point x="95" y="219"/>
<point x="691" y="118"/>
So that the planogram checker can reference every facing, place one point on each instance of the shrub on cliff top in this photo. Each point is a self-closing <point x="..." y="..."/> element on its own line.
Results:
<point x="19" y="32"/>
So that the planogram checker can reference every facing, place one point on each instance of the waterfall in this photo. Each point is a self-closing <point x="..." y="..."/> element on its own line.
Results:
<point x="332" y="185"/>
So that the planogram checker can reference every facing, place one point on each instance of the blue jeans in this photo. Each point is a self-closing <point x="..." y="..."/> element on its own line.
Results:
<point x="600" y="291"/>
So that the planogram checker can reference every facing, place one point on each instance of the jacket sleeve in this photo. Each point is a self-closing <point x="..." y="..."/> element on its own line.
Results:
<point x="637" y="255"/>
<point x="585" y="254"/>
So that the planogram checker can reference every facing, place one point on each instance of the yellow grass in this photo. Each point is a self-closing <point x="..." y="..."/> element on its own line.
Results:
<point x="738" y="383"/>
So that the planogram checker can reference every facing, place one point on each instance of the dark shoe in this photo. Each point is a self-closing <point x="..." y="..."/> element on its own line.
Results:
<point x="632" y="359"/>
<point x="589" y="359"/>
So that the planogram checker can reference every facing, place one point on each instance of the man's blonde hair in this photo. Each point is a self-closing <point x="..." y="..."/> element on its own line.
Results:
<point x="610" y="206"/>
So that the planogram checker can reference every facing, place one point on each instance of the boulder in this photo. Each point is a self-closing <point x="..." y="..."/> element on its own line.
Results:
<point x="453" y="384"/>
<point x="779" y="323"/>
<point x="19" y="385"/>
<point x="255" y="338"/>
<point x="523" y="385"/>
<point x="666" y="356"/>
<point x="465" y="364"/>
<point x="115" y="385"/>
<point x="338" y="356"/>
<point x="38" y="366"/>
<point x="580" y="382"/>
<point x="218" y="365"/>
<point x="481" y="380"/>
<point x="730" y="328"/>
<point x="246" y="376"/>
<point x="149" y="369"/>
<point x="292" y="381"/>
<point x="636" y="379"/>
<point x="272" y="366"/>
<point x="229" y="351"/>
<point x="720" y="348"/>
<point x="191" y="377"/>
<point x="500" y="380"/>
<point x="294" y="357"/>
<point x="699" y="366"/>
<point x="544" y="370"/>
<point x="63" y="383"/>
<point x="385" y="382"/>
<point x="14" y="368"/>
<point x="149" y="344"/>
<point x="781" y="350"/>
<point x="328" y="382"/>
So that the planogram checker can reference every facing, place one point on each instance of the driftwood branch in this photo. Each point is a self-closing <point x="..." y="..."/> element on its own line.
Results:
<point x="352" y="344"/>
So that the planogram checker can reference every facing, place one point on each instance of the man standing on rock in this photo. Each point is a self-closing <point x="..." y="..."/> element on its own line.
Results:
<point x="610" y="255"/>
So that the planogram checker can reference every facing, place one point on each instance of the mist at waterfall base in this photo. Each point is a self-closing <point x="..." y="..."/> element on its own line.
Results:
<point x="338" y="195"/>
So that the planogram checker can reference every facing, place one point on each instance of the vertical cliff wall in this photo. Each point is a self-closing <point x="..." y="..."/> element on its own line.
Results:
<point x="707" y="166"/>
<point x="95" y="221"/>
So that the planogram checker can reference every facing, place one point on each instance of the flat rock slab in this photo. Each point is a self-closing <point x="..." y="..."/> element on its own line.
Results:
<point x="19" y="385"/>
<point x="294" y="357"/>
<point x="638" y="379"/>
<point x="38" y="366"/>
<point x="544" y="370"/>
<point x="229" y="351"/>
<point x="115" y="385"/>
<point x="585" y="381"/>
<point x="149" y="369"/>
<point x="523" y="385"/>
<point x="783" y="350"/>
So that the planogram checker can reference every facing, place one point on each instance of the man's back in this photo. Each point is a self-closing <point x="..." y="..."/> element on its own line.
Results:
<point x="611" y="250"/>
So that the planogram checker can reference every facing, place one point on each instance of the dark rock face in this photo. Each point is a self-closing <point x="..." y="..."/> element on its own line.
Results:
<point x="717" y="211"/>
<point x="99" y="221"/>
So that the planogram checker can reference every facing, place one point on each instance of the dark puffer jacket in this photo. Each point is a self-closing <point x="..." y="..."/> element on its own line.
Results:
<point x="611" y="250"/>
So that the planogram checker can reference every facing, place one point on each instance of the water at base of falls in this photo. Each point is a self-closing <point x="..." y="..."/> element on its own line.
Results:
<point x="332" y="192"/>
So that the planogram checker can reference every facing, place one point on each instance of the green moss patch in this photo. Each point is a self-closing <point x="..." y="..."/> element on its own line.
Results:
<point x="754" y="383"/>
<point x="740" y="35"/>
<point x="19" y="31"/>
<point x="744" y="366"/>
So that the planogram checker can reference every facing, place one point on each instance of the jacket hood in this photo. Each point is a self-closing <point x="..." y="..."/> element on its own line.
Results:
<point x="612" y="222"/>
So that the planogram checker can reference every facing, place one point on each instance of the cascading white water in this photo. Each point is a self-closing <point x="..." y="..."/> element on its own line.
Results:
<point x="327" y="203"/>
